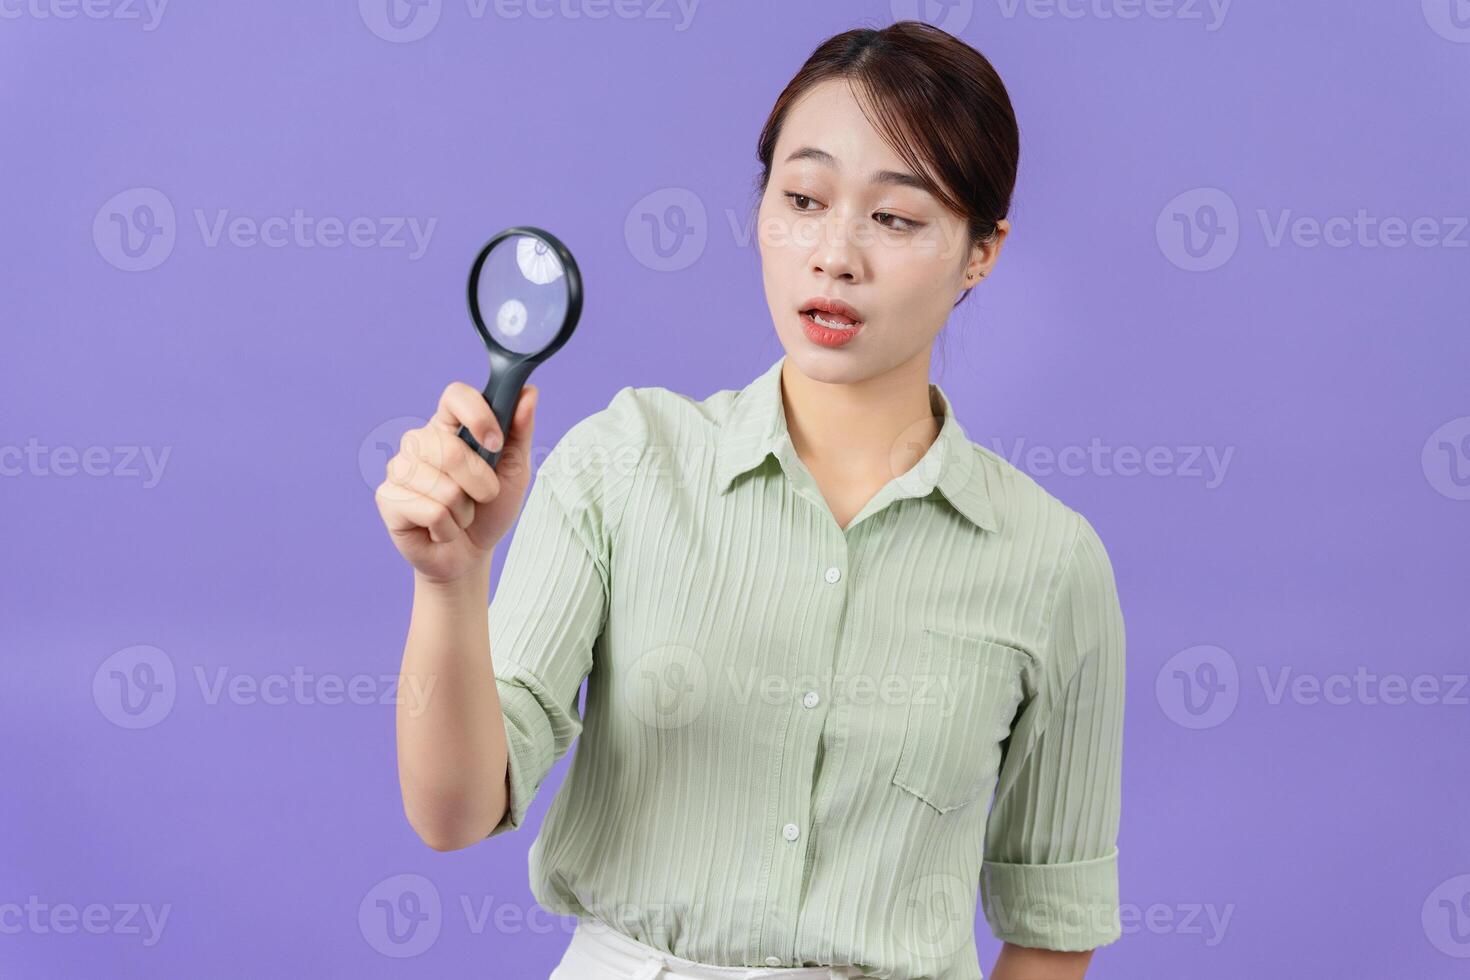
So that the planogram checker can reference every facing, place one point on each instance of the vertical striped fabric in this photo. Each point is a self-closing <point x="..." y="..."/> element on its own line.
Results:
<point x="803" y="744"/>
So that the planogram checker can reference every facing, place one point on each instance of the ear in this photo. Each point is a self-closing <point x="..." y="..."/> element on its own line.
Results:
<point x="983" y="255"/>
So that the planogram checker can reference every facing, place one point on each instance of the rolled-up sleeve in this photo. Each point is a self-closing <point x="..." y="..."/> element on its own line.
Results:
<point x="1050" y="874"/>
<point x="550" y="603"/>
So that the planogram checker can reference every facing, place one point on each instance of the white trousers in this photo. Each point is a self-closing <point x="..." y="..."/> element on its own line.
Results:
<point x="599" y="952"/>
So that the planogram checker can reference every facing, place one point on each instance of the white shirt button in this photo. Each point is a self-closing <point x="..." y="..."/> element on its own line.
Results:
<point x="773" y="961"/>
<point x="810" y="699"/>
<point x="791" y="831"/>
<point x="833" y="574"/>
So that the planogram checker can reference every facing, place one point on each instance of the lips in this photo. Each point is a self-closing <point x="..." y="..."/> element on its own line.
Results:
<point x="832" y="309"/>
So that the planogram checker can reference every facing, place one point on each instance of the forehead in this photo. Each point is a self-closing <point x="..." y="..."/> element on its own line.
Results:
<point x="830" y="118"/>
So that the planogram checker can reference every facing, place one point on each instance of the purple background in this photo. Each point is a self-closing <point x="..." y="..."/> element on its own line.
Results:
<point x="1332" y="835"/>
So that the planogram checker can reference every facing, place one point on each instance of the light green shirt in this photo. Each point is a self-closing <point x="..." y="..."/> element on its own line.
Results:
<point x="792" y="731"/>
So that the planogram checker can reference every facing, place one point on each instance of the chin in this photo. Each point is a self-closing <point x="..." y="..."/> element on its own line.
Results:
<point x="826" y="366"/>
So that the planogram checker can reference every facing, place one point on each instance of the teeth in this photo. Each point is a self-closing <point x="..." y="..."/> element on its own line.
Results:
<point x="830" y="324"/>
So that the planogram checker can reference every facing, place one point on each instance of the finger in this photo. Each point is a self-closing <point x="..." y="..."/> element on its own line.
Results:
<point x="417" y="449"/>
<point x="449" y="454"/>
<point x="429" y="481"/>
<point x="462" y="405"/>
<point x="466" y="467"/>
<point x="404" y="514"/>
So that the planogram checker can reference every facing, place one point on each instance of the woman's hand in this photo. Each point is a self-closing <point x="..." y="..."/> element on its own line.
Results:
<point x="444" y="507"/>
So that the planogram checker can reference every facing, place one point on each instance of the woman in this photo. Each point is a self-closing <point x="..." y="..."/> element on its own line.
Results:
<point x="822" y="627"/>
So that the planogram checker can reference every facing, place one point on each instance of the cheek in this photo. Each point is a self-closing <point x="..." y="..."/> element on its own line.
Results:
<point x="786" y="234"/>
<point x="936" y="246"/>
<point x="915" y="274"/>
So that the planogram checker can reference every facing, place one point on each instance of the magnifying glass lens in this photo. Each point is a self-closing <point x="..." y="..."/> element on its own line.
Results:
<point x="523" y="294"/>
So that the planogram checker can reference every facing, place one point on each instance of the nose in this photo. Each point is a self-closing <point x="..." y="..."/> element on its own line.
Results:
<point x="836" y="253"/>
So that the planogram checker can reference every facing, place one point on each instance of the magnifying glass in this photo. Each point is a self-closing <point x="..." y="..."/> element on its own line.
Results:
<point x="525" y="297"/>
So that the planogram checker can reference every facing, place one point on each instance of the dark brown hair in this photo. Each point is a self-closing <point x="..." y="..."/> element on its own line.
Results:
<point x="940" y="105"/>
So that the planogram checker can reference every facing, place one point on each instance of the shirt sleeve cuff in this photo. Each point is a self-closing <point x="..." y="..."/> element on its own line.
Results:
<point x="1070" y="906"/>
<point x="529" y="750"/>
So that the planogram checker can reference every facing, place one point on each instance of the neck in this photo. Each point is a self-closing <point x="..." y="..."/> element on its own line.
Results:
<point x="880" y="424"/>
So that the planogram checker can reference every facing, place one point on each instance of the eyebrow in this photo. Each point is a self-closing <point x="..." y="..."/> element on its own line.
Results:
<point x="893" y="177"/>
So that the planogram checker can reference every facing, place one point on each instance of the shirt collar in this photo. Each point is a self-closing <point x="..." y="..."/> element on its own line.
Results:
<point x="755" y="428"/>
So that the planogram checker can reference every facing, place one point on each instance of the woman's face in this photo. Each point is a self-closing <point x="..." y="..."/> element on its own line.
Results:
<point x="842" y="218"/>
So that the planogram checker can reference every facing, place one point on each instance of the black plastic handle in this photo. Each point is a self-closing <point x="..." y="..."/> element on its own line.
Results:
<point x="502" y="391"/>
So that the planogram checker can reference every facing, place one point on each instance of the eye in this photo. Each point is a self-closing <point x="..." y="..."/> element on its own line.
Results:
<point x="796" y="199"/>
<point x="904" y="223"/>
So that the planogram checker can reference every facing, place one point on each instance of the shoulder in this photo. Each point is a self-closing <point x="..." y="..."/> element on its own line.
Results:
<point x="639" y="414"/>
<point x="1054" y="549"/>
<point x="674" y="413"/>
<point x="1026" y="511"/>
<point x="639" y="418"/>
<point x="604" y="450"/>
<point x="621" y="426"/>
<point x="1035" y="521"/>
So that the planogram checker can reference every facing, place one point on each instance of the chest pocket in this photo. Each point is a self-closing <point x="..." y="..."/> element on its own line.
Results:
<point x="963" y="697"/>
